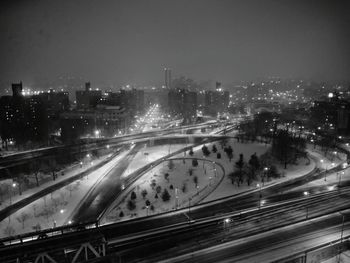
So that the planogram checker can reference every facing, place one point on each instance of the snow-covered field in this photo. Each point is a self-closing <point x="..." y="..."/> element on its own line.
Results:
<point x="152" y="203"/>
<point x="150" y="154"/>
<point x="247" y="149"/>
<point x="184" y="182"/>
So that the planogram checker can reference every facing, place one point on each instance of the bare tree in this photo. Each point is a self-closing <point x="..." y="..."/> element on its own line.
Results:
<point x="63" y="198"/>
<point x="70" y="188"/>
<point x="4" y="190"/>
<point x="144" y="193"/>
<point x="35" y="167"/>
<point x="171" y="164"/>
<point x="37" y="227"/>
<point x="34" y="210"/>
<point x="9" y="231"/>
<point x="47" y="212"/>
<point x="55" y="203"/>
<point x="23" y="217"/>
<point x="52" y="164"/>
<point x="195" y="180"/>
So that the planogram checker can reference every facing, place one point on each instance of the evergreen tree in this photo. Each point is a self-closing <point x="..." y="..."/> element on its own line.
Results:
<point x="131" y="205"/>
<point x="239" y="165"/>
<point x="205" y="151"/>
<point x="165" y="195"/>
<point x="133" y="195"/>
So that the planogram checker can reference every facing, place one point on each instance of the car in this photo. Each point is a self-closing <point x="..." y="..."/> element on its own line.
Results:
<point x="42" y="236"/>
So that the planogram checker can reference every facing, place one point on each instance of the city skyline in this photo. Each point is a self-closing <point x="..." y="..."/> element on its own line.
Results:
<point x="131" y="42"/>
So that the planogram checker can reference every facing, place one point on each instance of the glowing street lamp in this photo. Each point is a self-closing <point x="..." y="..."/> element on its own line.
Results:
<point x="227" y="223"/>
<point x="307" y="208"/>
<point x="342" y="173"/>
<point x="259" y="186"/>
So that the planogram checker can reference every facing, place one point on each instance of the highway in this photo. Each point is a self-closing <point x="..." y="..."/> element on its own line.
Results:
<point x="274" y="245"/>
<point x="181" y="232"/>
<point x="182" y="238"/>
<point x="101" y="195"/>
<point x="18" y="205"/>
<point x="212" y="231"/>
<point x="14" y="160"/>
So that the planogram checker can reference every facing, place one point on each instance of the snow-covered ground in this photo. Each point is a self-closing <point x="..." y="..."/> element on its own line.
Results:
<point x="184" y="182"/>
<point x="226" y="188"/>
<point x="54" y="209"/>
<point x="179" y="175"/>
<point x="150" y="154"/>
<point x="9" y="188"/>
<point x="342" y="258"/>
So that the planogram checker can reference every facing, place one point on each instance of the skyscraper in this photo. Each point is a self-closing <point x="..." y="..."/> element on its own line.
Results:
<point x="167" y="78"/>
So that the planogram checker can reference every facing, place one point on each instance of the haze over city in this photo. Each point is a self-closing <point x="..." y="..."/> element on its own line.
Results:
<point x="119" y="42"/>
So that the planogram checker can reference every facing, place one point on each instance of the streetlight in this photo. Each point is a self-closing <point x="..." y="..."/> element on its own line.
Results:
<point x="342" y="173"/>
<point x="307" y="208"/>
<point x="227" y="223"/>
<point x="97" y="133"/>
<point x="265" y="174"/>
<point x="340" y="247"/>
<point x="189" y="208"/>
<point x="214" y="164"/>
<point x="259" y="186"/>
<point x="14" y="185"/>
<point x="176" y="198"/>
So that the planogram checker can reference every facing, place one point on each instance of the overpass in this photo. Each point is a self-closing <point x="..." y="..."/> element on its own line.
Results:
<point x="13" y="160"/>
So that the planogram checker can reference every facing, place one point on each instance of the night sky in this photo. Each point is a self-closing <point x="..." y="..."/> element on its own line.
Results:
<point x="132" y="41"/>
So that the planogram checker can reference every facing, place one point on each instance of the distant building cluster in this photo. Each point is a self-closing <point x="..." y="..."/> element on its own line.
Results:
<point x="40" y="117"/>
<point x="37" y="118"/>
